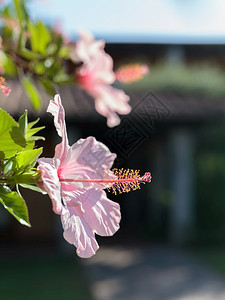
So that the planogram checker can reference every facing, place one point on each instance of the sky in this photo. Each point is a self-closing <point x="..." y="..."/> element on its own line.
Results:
<point x="145" y="21"/>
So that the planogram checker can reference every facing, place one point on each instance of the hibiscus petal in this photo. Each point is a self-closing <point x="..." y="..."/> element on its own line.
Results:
<point x="50" y="182"/>
<point x="87" y="47"/>
<point x="101" y="107"/>
<point x="101" y="214"/>
<point x="87" y="159"/>
<point x="103" y="72"/>
<point x="56" y="109"/>
<point x="78" y="233"/>
<point x="95" y="75"/>
<point x="110" y="101"/>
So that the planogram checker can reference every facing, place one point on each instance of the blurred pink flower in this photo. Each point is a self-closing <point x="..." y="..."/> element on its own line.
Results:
<point x="73" y="181"/>
<point x="96" y="75"/>
<point x="131" y="72"/>
<point x="5" y="90"/>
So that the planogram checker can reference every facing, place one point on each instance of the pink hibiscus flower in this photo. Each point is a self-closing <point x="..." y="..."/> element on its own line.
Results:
<point x="75" y="178"/>
<point x="96" y="75"/>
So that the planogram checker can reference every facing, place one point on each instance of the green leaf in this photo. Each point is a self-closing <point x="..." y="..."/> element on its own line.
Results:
<point x="8" y="166"/>
<point x="39" y="67"/>
<point x="2" y="155"/>
<point x="12" y="142"/>
<point x="31" y="131"/>
<point x="31" y="138"/>
<point x="17" y="135"/>
<point x="26" y="53"/>
<point x="27" y="158"/>
<point x="44" y="37"/>
<point x="11" y="135"/>
<point x="32" y="92"/>
<point x="31" y="124"/>
<point x="7" y="122"/>
<point x="30" y="144"/>
<point x="8" y="65"/>
<point x="33" y="37"/>
<point x="52" y="49"/>
<point x="48" y="86"/>
<point x="15" y="205"/>
<point x="23" y="122"/>
<point x="63" y="78"/>
<point x="20" y="10"/>
<point x="35" y="138"/>
<point x="64" y="52"/>
<point x="29" y="177"/>
<point x="39" y="37"/>
<point x="29" y="54"/>
<point x="31" y="187"/>
<point x="5" y="12"/>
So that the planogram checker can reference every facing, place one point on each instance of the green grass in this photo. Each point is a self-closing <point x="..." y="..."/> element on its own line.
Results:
<point x="42" y="278"/>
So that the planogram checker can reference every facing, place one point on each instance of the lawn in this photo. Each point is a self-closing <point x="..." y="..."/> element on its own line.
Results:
<point x="42" y="277"/>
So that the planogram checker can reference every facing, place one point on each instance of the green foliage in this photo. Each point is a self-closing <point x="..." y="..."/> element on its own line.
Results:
<point x="15" y="136"/>
<point x="31" y="187"/>
<point x="15" y="205"/>
<point x="23" y="122"/>
<point x="32" y="92"/>
<point x="9" y="66"/>
<point x="29" y="134"/>
<point x="38" y="56"/>
<point x="17" y="162"/>
<point x="26" y="159"/>
<point x="11" y="136"/>
<point x="48" y="86"/>
<point x="21" y="11"/>
<point x="39" y="37"/>
<point x="34" y="51"/>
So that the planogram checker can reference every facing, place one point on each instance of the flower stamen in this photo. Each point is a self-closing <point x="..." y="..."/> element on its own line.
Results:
<point x="125" y="181"/>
